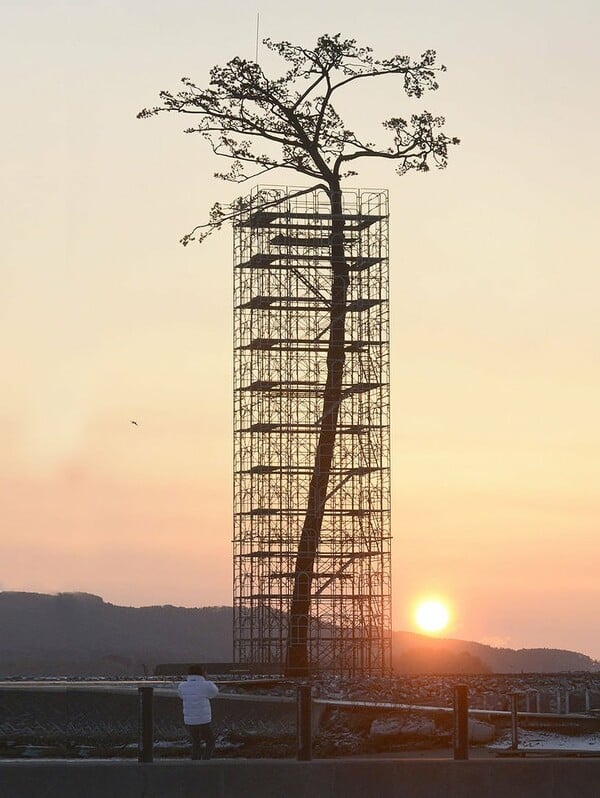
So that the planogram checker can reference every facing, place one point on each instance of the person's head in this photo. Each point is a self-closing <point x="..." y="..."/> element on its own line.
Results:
<point x="197" y="670"/>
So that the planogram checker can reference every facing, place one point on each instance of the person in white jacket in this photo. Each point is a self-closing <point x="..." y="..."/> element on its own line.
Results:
<point x="196" y="693"/>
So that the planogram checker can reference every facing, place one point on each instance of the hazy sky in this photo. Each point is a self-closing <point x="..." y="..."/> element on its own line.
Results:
<point x="495" y="307"/>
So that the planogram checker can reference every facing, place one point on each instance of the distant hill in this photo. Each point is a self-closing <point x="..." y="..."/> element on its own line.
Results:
<point x="78" y="634"/>
<point x="414" y="653"/>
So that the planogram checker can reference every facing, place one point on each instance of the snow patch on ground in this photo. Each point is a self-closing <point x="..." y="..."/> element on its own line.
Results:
<point x="541" y="740"/>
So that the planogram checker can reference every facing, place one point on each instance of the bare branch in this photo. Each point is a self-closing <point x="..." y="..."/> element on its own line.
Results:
<point x="294" y="114"/>
<point x="220" y="214"/>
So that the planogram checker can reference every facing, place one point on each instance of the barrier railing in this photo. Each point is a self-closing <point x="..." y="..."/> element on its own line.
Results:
<point x="308" y="709"/>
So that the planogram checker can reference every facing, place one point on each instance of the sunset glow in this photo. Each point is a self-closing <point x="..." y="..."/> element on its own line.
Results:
<point x="432" y="616"/>
<point x="494" y="304"/>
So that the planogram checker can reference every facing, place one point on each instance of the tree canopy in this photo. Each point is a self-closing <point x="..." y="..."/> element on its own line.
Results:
<point x="261" y="123"/>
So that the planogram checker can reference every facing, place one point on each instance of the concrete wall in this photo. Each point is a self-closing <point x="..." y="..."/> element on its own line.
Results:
<point x="523" y="778"/>
<point x="111" y="713"/>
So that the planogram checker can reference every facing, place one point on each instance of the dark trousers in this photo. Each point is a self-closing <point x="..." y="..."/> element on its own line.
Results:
<point x="202" y="733"/>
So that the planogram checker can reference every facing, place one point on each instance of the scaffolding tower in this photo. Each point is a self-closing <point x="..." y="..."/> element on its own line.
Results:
<point x="282" y="299"/>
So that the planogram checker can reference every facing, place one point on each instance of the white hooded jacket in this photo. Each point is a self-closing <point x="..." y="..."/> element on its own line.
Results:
<point x="196" y="693"/>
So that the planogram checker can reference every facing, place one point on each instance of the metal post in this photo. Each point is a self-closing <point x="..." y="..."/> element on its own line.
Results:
<point x="304" y="723"/>
<point x="461" y="722"/>
<point x="514" y="709"/>
<point x="588" y="702"/>
<point x="146" y="731"/>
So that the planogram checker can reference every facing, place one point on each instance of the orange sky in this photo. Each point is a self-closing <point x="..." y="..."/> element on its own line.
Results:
<point x="495" y="307"/>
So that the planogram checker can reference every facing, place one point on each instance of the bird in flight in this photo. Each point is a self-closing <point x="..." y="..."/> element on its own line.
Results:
<point x="134" y="422"/>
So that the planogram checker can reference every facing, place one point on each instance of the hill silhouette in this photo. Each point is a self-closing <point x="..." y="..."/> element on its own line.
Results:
<point x="414" y="653"/>
<point x="79" y="634"/>
<point x="74" y="634"/>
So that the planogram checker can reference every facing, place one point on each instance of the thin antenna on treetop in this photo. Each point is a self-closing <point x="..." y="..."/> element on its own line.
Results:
<point x="257" y="29"/>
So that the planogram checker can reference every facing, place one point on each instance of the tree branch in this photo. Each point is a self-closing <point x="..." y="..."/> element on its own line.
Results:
<point x="219" y="217"/>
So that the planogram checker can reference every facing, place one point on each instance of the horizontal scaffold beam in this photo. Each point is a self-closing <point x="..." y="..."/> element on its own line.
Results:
<point x="296" y="304"/>
<point x="302" y="470"/>
<point x="275" y="219"/>
<point x="304" y="344"/>
<point x="304" y="386"/>
<point x="346" y="512"/>
<point x="309" y="429"/>
<point x="286" y="260"/>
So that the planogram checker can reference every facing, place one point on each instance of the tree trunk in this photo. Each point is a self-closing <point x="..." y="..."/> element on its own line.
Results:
<point x="299" y="618"/>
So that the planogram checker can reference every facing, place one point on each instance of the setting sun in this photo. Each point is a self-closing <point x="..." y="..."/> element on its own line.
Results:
<point x="432" y="616"/>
